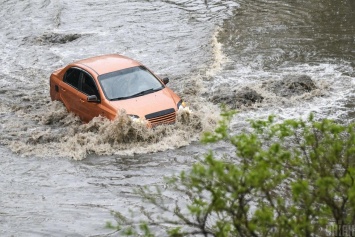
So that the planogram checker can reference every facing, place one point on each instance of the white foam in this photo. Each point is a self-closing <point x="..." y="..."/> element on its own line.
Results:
<point x="219" y="57"/>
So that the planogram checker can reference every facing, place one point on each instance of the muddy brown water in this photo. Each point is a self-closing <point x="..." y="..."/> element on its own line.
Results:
<point x="59" y="177"/>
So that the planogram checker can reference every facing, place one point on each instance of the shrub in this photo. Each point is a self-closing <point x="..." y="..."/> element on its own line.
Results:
<point x="294" y="178"/>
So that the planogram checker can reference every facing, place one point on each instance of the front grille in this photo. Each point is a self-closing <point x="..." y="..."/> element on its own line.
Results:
<point x="167" y="116"/>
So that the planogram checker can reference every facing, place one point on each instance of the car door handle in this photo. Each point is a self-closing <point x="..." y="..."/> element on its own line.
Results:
<point x="82" y="101"/>
<point x="63" y="89"/>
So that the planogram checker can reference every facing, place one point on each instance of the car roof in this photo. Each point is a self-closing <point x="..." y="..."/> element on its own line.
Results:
<point x="108" y="63"/>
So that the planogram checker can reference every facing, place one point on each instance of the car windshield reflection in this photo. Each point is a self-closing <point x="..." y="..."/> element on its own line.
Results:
<point x="129" y="83"/>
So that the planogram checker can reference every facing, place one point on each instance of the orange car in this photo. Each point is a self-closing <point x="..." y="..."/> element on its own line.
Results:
<point x="106" y="84"/>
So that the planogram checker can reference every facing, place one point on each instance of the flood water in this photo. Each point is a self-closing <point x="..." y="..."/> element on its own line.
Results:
<point x="59" y="177"/>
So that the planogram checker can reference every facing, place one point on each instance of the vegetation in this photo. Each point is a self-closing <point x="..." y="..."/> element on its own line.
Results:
<point x="295" y="178"/>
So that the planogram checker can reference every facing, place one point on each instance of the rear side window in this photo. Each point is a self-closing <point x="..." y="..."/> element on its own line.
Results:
<point x="72" y="77"/>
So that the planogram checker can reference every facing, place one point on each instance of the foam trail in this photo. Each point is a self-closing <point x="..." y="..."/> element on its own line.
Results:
<point x="218" y="56"/>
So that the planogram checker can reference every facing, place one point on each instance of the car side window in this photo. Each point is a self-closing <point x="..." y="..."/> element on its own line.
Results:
<point x="88" y="85"/>
<point x="72" y="77"/>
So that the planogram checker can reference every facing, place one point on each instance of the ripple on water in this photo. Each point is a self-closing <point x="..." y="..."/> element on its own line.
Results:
<point x="258" y="42"/>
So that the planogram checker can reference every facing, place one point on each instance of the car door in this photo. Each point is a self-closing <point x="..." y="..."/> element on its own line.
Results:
<point x="69" y="89"/>
<point x="87" y="87"/>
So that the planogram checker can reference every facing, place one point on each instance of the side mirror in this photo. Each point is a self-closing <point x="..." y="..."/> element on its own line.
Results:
<point x="166" y="80"/>
<point x="93" y="98"/>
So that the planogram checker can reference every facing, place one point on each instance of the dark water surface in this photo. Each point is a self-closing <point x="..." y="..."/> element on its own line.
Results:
<point x="202" y="45"/>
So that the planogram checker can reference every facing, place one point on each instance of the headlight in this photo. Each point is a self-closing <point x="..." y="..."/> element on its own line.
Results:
<point x="137" y="119"/>
<point x="181" y="104"/>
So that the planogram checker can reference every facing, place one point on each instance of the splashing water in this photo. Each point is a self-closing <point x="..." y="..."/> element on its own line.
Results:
<point x="59" y="133"/>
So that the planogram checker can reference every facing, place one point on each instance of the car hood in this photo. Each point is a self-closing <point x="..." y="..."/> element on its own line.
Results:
<point x="146" y="104"/>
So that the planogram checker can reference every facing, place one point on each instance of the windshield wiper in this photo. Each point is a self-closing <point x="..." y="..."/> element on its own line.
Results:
<point x="139" y="93"/>
<point x="120" y="98"/>
<point x="145" y="92"/>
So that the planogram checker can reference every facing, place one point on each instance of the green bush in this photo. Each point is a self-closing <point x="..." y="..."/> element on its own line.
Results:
<point x="294" y="178"/>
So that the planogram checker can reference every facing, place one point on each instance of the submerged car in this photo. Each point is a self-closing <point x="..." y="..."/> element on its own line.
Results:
<point x="105" y="85"/>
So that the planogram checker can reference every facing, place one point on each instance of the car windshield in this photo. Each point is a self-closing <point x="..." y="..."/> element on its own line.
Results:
<point x="128" y="83"/>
